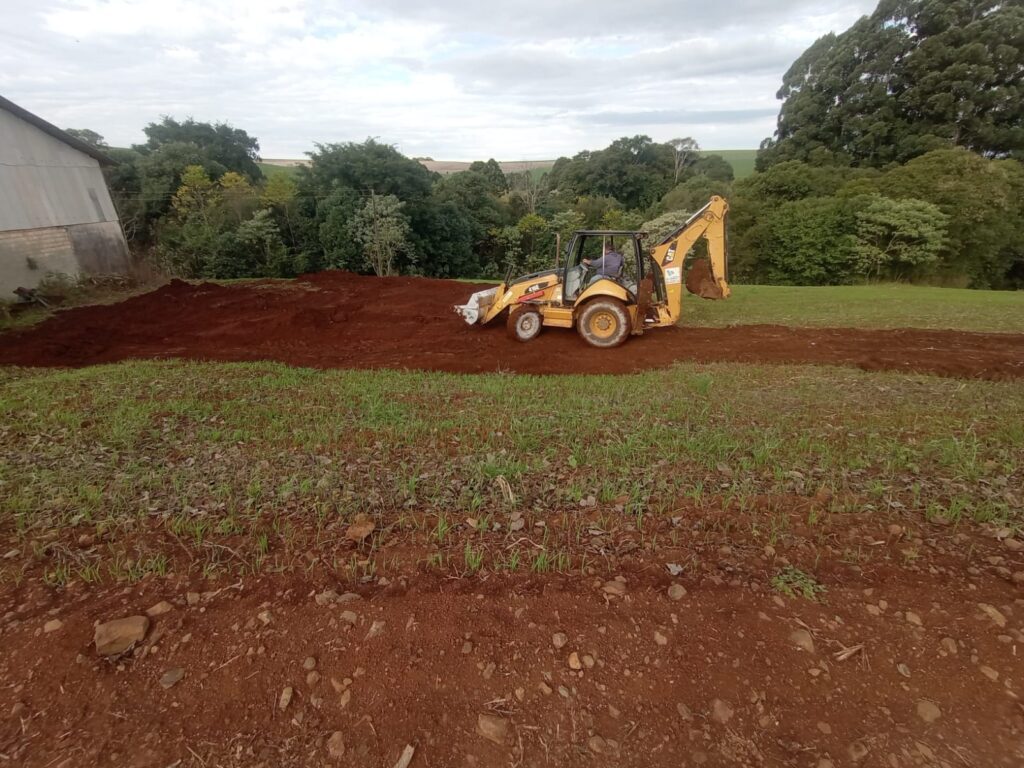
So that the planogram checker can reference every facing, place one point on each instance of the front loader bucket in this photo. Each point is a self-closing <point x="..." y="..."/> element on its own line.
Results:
<point x="477" y="306"/>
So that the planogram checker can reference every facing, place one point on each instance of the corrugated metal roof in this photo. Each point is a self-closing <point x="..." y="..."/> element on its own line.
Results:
<point x="54" y="131"/>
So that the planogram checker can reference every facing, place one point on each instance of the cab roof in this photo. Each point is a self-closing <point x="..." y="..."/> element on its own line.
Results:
<point x="610" y="232"/>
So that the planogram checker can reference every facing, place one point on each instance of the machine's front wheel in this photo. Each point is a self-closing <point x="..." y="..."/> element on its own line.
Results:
<point x="524" y="324"/>
<point x="604" y="323"/>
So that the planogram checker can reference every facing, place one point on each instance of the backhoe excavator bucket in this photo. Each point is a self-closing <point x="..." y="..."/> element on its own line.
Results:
<point x="701" y="282"/>
<point x="477" y="306"/>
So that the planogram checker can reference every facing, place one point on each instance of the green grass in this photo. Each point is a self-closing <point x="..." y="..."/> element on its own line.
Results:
<point x="242" y="468"/>
<point x="22" y="317"/>
<point x="861" y="306"/>
<point x="741" y="160"/>
<point x="793" y="582"/>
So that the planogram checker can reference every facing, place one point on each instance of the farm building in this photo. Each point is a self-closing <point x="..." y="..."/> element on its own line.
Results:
<point x="56" y="215"/>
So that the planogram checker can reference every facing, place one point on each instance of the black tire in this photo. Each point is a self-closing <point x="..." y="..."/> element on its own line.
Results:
<point x="524" y="324"/>
<point x="604" y="323"/>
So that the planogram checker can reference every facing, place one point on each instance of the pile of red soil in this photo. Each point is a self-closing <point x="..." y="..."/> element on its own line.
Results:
<point x="341" y="320"/>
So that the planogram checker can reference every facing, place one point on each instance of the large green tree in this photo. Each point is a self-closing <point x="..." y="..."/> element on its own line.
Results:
<point x="219" y="143"/>
<point x="984" y="202"/>
<point x="914" y="76"/>
<point x="634" y="170"/>
<point x="443" y="228"/>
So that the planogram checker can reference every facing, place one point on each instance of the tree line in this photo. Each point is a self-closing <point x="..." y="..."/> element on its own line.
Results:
<point x="897" y="157"/>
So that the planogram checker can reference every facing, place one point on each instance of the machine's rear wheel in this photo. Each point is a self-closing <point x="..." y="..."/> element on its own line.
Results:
<point x="524" y="324"/>
<point x="604" y="323"/>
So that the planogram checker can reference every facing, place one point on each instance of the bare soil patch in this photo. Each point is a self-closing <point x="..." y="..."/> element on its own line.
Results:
<point x="341" y="320"/>
<point x="899" y="662"/>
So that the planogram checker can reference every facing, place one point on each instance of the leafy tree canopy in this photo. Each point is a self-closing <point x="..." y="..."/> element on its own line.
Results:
<point x="88" y="136"/>
<point x="635" y="171"/>
<point x="914" y="76"/>
<point x="492" y="172"/>
<point x="219" y="144"/>
<point x="368" y="166"/>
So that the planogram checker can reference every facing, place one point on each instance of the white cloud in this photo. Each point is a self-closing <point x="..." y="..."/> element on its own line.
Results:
<point x="452" y="79"/>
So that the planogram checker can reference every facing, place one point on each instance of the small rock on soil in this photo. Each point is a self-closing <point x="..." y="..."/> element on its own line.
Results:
<point x="115" y="637"/>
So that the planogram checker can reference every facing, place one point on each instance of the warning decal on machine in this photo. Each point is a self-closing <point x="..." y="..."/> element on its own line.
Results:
<point x="673" y="275"/>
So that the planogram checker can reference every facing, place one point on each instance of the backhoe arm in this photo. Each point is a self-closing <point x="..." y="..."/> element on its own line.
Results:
<point x="707" y="281"/>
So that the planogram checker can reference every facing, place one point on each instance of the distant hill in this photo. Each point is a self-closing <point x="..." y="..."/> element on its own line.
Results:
<point x="741" y="160"/>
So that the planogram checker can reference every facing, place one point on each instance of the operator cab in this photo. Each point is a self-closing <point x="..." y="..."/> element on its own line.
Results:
<point x="590" y="245"/>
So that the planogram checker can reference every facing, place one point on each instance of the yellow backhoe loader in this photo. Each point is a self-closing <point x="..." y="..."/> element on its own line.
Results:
<point x="646" y="292"/>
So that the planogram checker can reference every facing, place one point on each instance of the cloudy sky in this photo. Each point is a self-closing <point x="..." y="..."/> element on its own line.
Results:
<point x="452" y="79"/>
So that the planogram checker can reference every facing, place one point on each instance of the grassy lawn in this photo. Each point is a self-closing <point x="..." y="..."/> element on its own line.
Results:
<point x="862" y="306"/>
<point x="225" y="468"/>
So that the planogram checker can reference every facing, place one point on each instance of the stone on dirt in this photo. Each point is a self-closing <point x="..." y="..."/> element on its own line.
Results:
<point x="949" y="645"/>
<point x="858" y="750"/>
<point x="676" y="592"/>
<point x="559" y="640"/>
<point x="113" y="638"/>
<point x="192" y="598"/>
<point x="326" y="597"/>
<point x="309" y="663"/>
<point x="361" y="527"/>
<point x="721" y="711"/>
<point x="159" y="609"/>
<point x="406" y="757"/>
<point x="993" y="613"/>
<point x="913" y="618"/>
<point x="52" y="626"/>
<point x="336" y="745"/>
<point x="376" y="630"/>
<point x="801" y="638"/>
<point x="660" y="639"/>
<point x="990" y="673"/>
<point x="598" y="745"/>
<point x="574" y="661"/>
<point x="171" y="677"/>
<point x="928" y="711"/>
<point x="286" y="698"/>
<point x="492" y="728"/>
<point x="615" y="587"/>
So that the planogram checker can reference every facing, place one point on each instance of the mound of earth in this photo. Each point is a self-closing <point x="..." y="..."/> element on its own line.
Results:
<point x="342" y="320"/>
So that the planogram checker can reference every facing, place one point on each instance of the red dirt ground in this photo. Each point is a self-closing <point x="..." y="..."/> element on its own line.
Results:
<point x="719" y="677"/>
<point x="340" y="320"/>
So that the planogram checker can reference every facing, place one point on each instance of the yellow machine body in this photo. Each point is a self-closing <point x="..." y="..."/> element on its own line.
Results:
<point x="610" y="307"/>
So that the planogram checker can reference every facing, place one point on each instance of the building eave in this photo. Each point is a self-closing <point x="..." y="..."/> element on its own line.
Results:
<point x="57" y="133"/>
